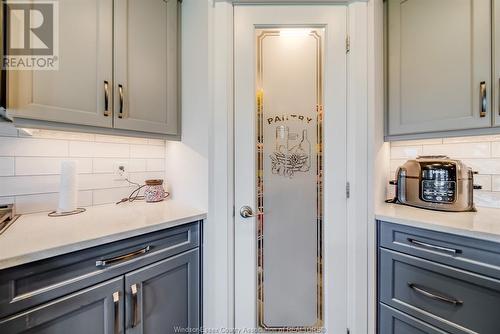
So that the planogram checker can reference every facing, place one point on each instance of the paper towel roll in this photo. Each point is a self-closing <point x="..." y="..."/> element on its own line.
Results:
<point x="68" y="192"/>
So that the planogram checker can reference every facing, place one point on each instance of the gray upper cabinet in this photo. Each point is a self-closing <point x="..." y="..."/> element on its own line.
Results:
<point x="164" y="297"/>
<point x="496" y="62"/>
<point x="75" y="93"/>
<point x="438" y="65"/>
<point x="118" y="71"/>
<point x="96" y="310"/>
<point x="146" y="65"/>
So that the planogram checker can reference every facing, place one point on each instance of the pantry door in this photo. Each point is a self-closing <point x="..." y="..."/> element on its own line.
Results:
<point x="290" y="167"/>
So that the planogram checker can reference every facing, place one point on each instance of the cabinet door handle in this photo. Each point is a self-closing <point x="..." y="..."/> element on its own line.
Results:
<point x="483" y="100"/>
<point x="435" y="247"/>
<point x="116" y="303"/>
<point x="499" y="96"/>
<point x="434" y="295"/>
<point x="135" y="306"/>
<point x="120" y="93"/>
<point x="122" y="258"/>
<point x="106" y="98"/>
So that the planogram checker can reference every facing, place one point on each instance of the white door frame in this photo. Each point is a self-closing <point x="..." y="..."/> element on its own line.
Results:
<point x="363" y="104"/>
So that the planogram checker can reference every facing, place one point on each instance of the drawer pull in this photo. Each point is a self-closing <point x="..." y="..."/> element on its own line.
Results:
<point x="122" y="258"/>
<point x="433" y="295"/>
<point x="435" y="247"/>
<point x="116" y="302"/>
<point x="135" y="310"/>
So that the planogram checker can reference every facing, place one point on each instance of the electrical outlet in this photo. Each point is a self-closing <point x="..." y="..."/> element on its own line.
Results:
<point x="121" y="171"/>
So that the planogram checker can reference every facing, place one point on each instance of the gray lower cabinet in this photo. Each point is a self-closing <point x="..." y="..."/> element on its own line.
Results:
<point x="433" y="282"/>
<point x="96" y="310"/>
<point x="396" y="322"/>
<point x="164" y="297"/>
<point x="148" y="284"/>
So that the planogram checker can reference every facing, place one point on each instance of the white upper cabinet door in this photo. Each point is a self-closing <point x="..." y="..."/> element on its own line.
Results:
<point x="146" y="80"/>
<point x="75" y="93"/>
<point x="496" y="62"/>
<point x="439" y="65"/>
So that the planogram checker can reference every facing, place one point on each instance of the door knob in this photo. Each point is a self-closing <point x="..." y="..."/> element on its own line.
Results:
<point x="247" y="212"/>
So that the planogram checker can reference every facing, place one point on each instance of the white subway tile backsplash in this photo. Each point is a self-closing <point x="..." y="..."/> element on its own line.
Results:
<point x="472" y="139"/>
<point x="139" y="165"/>
<point x="123" y="140"/>
<point x="483" y="181"/>
<point x="47" y="202"/>
<point x="7" y="166"/>
<point x="484" y="166"/>
<point x="495" y="149"/>
<point x="105" y="196"/>
<point x="48" y="166"/>
<point x="481" y="153"/>
<point x="101" y="150"/>
<point x="155" y="165"/>
<point x="489" y="199"/>
<point x="157" y="142"/>
<point x="99" y="181"/>
<point x="30" y="166"/>
<point x="495" y="182"/>
<point x="50" y="134"/>
<point x="25" y="185"/>
<point x="417" y="142"/>
<point x="147" y="151"/>
<point x="405" y="152"/>
<point x="141" y="177"/>
<point x="33" y="147"/>
<point x="107" y="165"/>
<point x="460" y="151"/>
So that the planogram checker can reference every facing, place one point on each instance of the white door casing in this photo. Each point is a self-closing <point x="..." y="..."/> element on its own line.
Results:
<point x="332" y="19"/>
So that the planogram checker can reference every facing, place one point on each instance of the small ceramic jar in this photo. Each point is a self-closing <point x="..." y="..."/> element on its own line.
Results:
<point x="154" y="191"/>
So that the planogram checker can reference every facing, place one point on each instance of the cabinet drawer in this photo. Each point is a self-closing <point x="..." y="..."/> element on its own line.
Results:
<point x="445" y="297"/>
<point x="28" y="285"/>
<point x="466" y="253"/>
<point x="96" y="310"/>
<point x="392" y="321"/>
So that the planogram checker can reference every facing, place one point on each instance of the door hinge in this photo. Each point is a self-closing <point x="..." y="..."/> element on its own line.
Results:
<point x="347" y="190"/>
<point x="347" y="44"/>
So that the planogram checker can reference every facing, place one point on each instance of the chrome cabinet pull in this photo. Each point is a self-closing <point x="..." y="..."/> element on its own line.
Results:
<point x="122" y="258"/>
<point x="499" y="96"/>
<point x="116" y="302"/>
<point x="120" y="93"/>
<point x="433" y="295"/>
<point x="106" y="99"/>
<point x="483" y="106"/>
<point x="435" y="247"/>
<point x="135" y="309"/>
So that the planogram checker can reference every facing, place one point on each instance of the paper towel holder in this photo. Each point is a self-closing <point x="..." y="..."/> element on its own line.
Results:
<point x="69" y="213"/>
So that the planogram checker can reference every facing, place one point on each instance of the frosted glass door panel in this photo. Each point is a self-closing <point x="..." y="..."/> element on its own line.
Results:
<point x="289" y="98"/>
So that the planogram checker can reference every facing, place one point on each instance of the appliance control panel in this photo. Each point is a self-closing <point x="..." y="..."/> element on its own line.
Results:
<point x="438" y="191"/>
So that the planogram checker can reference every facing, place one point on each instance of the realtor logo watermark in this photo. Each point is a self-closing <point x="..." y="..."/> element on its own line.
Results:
<point x="32" y="35"/>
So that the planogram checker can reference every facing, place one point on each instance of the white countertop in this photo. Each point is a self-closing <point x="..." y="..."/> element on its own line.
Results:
<point x="483" y="224"/>
<point x="36" y="236"/>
